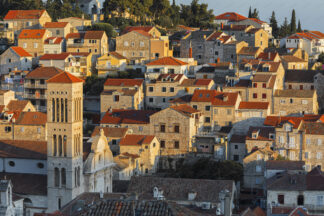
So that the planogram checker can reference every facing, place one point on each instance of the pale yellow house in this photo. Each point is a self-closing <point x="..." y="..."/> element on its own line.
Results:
<point x="110" y="63"/>
<point x="77" y="23"/>
<point x="32" y="40"/>
<point x="58" y="29"/>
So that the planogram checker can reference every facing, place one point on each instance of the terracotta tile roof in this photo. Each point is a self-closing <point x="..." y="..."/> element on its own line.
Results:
<point x="182" y="100"/>
<point x="75" y="35"/>
<point x="17" y="105"/>
<point x="301" y="76"/>
<point x="284" y="165"/>
<point x="110" y="132"/>
<point x="215" y="97"/>
<point x="32" y="118"/>
<point x="53" y="40"/>
<point x="295" y="93"/>
<point x="167" y="61"/>
<point x="32" y="34"/>
<point x="94" y="34"/>
<point x="20" y="51"/>
<point x="310" y="35"/>
<point x="263" y="133"/>
<point x="261" y="78"/>
<point x="214" y="36"/>
<point x="253" y="105"/>
<point x="249" y="50"/>
<point x="315" y="128"/>
<point x="178" y="188"/>
<point x="117" y="55"/>
<point x="136" y="140"/>
<point x="315" y="179"/>
<point x="253" y="30"/>
<point x="196" y="82"/>
<point x="267" y="56"/>
<point x="64" y="77"/>
<point x="169" y="77"/>
<point x="32" y="184"/>
<point x="257" y="65"/>
<point x="56" y="24"/>
<point x="243" y="83"/>
<point x="184" y="109"/>
<point x="221" y="65"/>
<point x="124" y="82"/>
<point x="257" y="20"/>
<point x="137" y="28"/>
<point x="143" y="33"/>
<point x="23" y="14"/>
<point x="283" y="181"/>
<point x="238" y="139"/>
<point x="231" y="16"/>
<point x="186" y="28"/>
<point x="290" y="58"/>
<point x="277" y="121"/>
<point x="43" y="73"/>
<point x="60" y="56"/>
<point x="120" y="116"/>
<point x="23" y="149"/>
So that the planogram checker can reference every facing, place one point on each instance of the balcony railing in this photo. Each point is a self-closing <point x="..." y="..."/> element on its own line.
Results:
<point x="35" y="85"/>
<point x="105" y="67"/>
<point x="34" y="96"/>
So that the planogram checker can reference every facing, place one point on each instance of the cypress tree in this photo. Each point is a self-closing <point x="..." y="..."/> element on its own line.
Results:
<point x="293" y="22"/>
<point x="299" y="29"/>
<point x="274" y="25"/>
<point x="250" y="12"/>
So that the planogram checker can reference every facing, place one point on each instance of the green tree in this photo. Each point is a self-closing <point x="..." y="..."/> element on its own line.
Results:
<point x="299" y="29"/>
<point x="274" y="25"/>
<point x="109" y="29"/>
<point x="293" y="22"/>
<point x="250" y="13"/>
<point x="159" y="8"/>
<point x="321" y="58"/>
<point x="285" y="28"/>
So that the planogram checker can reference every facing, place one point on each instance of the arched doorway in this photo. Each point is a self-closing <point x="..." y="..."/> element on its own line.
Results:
<point x="27" y="203"/>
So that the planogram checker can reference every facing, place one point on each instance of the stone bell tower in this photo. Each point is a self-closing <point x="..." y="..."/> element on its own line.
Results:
<point x="64" y="139"/>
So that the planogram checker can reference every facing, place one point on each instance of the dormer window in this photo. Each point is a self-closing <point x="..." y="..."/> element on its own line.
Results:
<point x="287" y="127"/>
<point x="255" y="134"/>
<point x="247" y="67"/>
<point x="272" y="136"/>
<point x="266" y="68"/>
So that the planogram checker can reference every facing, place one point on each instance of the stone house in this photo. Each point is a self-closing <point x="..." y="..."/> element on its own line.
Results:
<point x="126" y="166"/>
<point x="217" y="107"/>
<point x="159" y="92"/>
<point x="166" y="65"/>
<point x="143" y="43"/>
<point x="78" y="23"/>
<point x="15" y="58"/>
<point x="232" y="50"/>
<point x="54" y="45"/>
<point x="120" y="84"/>
<point x="276" y="167"/>
<point x="188" y="86"/>
<point x="248" y="53"/>
<point x="291" y="62"/>
<point x="254" y="167"/>
<point x="35" y="87"/>
<point x="147" y="147"/>
<point x="241" y="87"/>
<point x="33" y="40"/>
<point x="300" y="79"/>
<point x="259" y="138"/>
<point x="95" y="42"/>
<point x="137" y="121"/>
<point x="17" y="20"/>
<point x="295" y="102"/>
<point x="113" y="135"/>
<point x="19" y="105"/>
<point x="111" y="63"/>
<point x="250" y="114"/>
<point x="255" y="37"/>
<point x="297" y="189"/>
<point x="215" y="71"/>
<point x="5" y="97"/>
<point x="268" y="55"/>
<point x="175" y="128"/>
<point x="228" y="18"/>
<point x="58" y="29"/>
<point x="256" y="23"/>
<point x="237" y="149"/>
<point x="126" y="98"/>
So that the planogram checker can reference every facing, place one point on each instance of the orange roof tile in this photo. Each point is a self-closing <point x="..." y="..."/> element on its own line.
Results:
<point x="167" y="61"/>
<point x="184" y="109"/>
<point x="74" y="35"/>
<point x="216" y="98"/>
<point x="253" y="105"/>
<point x="23" y="149"/>
<point x="55" y="40"/>
<point x="278" y="120"/>
<point x="124" y="82"/>
<point x="267" y="56"/>
<point x="32" y="118"/>
<point x="17" y="105"/>
<point x="231" y="16"/>
<point x="56" y="24"/>
<point x="20" y="51"/>
<point x="60" y="56"/>
<point x="64" y="77"/>
<point x="117" y="55"/>
<point x="32" y="34"/>
<point x="23" y="14"/>
<point x="120" y="116"/>
<point x="144" y="33"/>
<point x="196" y="82"/>
<point x="136" y="140"/>
<point x="136" y="28"/>
<point x="43" y="73"/>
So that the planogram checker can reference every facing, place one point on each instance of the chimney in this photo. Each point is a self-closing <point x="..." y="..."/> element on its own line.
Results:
<point x="269" y="55"/>
<point x="222" y="26"/>
<point x="83" y="16"/>
<point x="190" y="51"/>
<point x="227" y="207"/>
<point x="225" y="98"/>
<point x="218" y="60"/>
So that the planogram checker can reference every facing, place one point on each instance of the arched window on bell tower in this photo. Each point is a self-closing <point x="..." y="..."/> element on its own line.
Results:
<point x="63" y="177"/>
<point x="60" y="145"/>
<point x="62" y="110"/>
<point x="56" y="177"/>
<point x="53" y="110"/>
<point x="54" y="145"/>
<point x="64" y="145"/>
<point x="66" y="110"/>
<point x="57" y="110"/>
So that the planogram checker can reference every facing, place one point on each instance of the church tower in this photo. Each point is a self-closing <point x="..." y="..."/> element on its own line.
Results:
<point x="64" y="139"/>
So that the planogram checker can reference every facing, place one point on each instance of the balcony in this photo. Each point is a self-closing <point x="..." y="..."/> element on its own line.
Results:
<point x="35" y="85"/>
<point x="34" y="96"/>
<point x="105" y="67"/>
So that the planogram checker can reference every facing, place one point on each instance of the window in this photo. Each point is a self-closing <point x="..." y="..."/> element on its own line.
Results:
<point x="35" y="45"/>
<point x="171" y="71"/>
<point x="264" y="85"/>
<point x="39" y="130"/>
<point x="163" y="89"/>
<point x="229" y="112"/>
<point x="292" y="155"/>
<point x="9" y="60"/>
<point x="140" y="128"/>
<point x="290" y="87"/>
<point x="141" y="44"/>
<point x="162" y="128"/>
<point x="258" y="156"/>
<point x="215" y="111"/>
<point x="171" y="89"/>
<point x="308" y="141"/>
<point x="207" y="119"/>
<point x="116" y="98"/>
<point x="255" y="85"/>
<point x="281" y="199"/>
<point x="126" y="43"/>
<point x="319" y="141"/>
<point x="291" y="142"/>
<point x="24" y="45"/>
<point x="207" y="108"/>
<point x="232" y="56"/>
<point x="306" y="155"/>
<point x="132" y="44"/>
<point x="151" y="89"/>
<point x="176" y="144"/>
<point x="301" y="87"/>
<point x="163" y="100"/>
<point x="282" y="101"/>
<point x="319" y="155"/>
<point x="96" y="50"/>
<point x="40" y="165"/>
<point x="11" y="163"/>
<point x="162" y="144"/>
<point x="258" y="168"/>
<point x="305" y="102"/>
<point x="235" y="146"/>
<point x="236" y="158"/>
<point x="255" y="95"/>
<point x="177" y="129"/>
<point x="194" y="106"/>
<point x="7" y="129"/>
<point x="114" y="142"/>
<point x="56" y="177"/>
<point x="264" y="96"/>
<point x="216" y="52"/>
<point x="291" y="100"/>
<point x="22" y="129"/>
<point x="281" y="139"/>
<point x="63" y="177"/>
<point x="151" y="100"/>
<point x="320" y="200"/>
